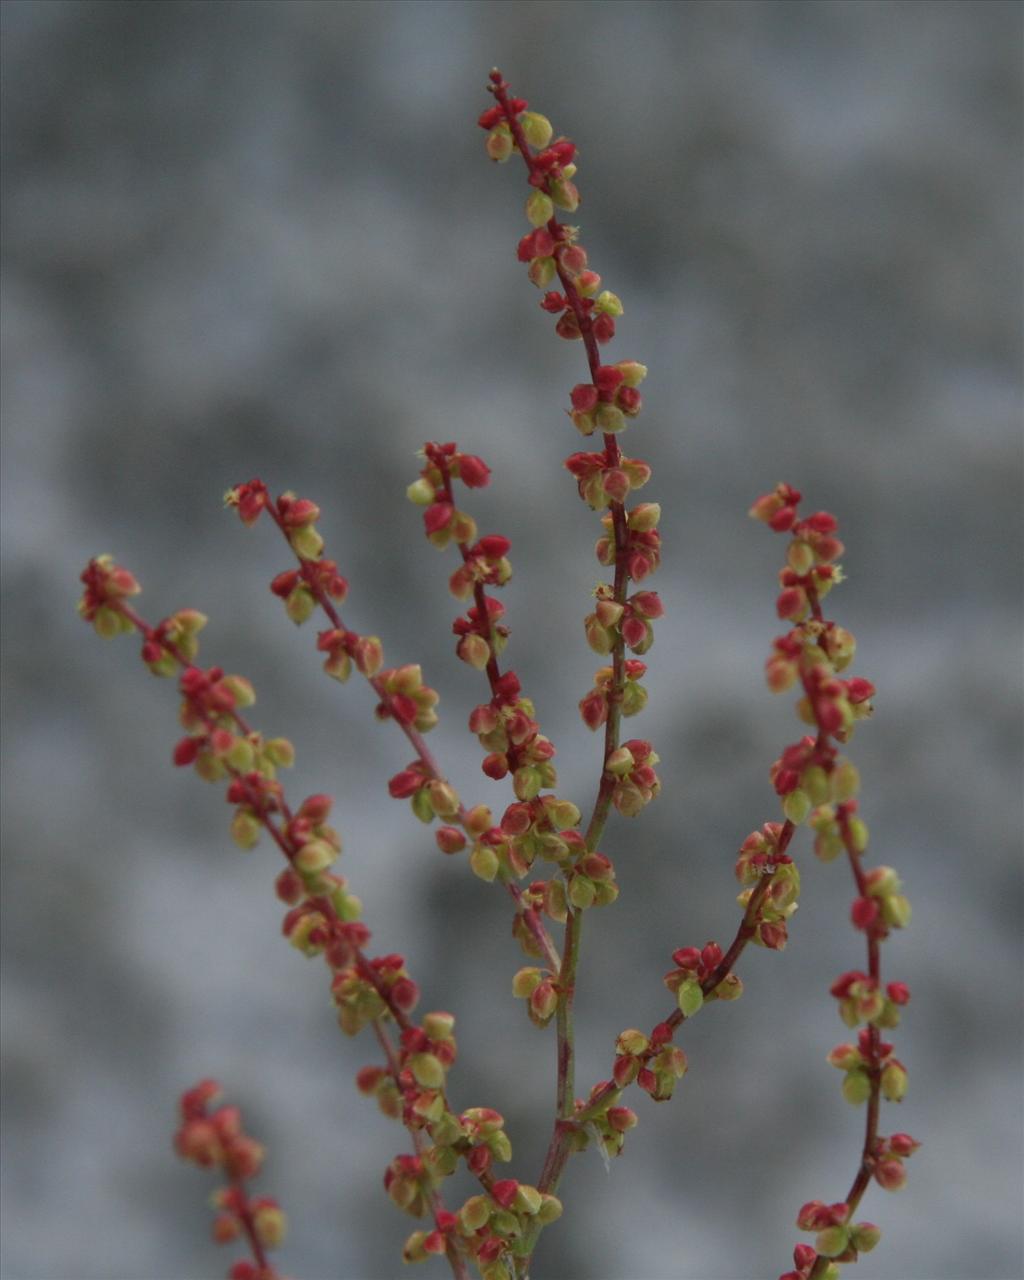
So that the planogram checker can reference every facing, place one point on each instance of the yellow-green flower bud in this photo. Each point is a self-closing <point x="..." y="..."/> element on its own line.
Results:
<point x="631" y="1041"/>
<point x="645" y="517"/>
<point x="413" y="1250"/>
<point x="270" y="1224"/>
<point x="856" y="1087"/>
<point x="444" y="799"/>
<point x="832" y="1241"/>
<point x="610" y="305"/>
<point x="527" y="782"/>
<point x="800" y="557"/>
<point x="620" y="763"/>
<point x="421" y="806"/>
<point x="542" y="272"/>
<point x="109" y="622"/>
<point x="564" y="194"/>
<point x="562" y="814"/>
<point x="864" y="1236"/>
<point x="427" y="1070"/>
<point x="730" y="988"/>
<point x="581" y="892"/>
<point x="245" y="829"/>
<point x="315" y="856"/>
<point x="600" y="638"/>
<point x="499" y="143"/>
<point x="525" y="982"/>
<point x="690" y="997"/>
<point x="633" y="373"/>
<point x="528" y="1199"/>
<point x="609" y="418"/>
<point x="550" y="1209"/>
<point x="483" y="862"/>
<point x="536" y="128"/>
<point x="346" y="904"/>
<point x="474" y="1214"/>
<point x="815" y="781"/>
<point x="896" y="911"/>
<point x="300" y="604"/>
<point x="241" y="756"/>
<point x="539" y="209"/>
<point x="796" y="806"/>
<point x="845" y="781"/>
<point x="422" y="492"/>
<point x="306" y="542"/>
<point x="280" y="752"/>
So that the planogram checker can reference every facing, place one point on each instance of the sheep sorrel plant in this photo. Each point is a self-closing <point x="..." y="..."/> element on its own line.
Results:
<point x="496" y="1231"/>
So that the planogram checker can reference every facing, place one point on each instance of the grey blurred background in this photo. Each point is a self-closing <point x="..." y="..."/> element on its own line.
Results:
<point x="263" y="239"/>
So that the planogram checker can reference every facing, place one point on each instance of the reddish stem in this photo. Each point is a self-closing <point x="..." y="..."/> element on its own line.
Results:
<point x="415" y="738"/>
<point x="365" y="969"/>
<point x="245" y="1217"/>
<point x="558" y="1150"/>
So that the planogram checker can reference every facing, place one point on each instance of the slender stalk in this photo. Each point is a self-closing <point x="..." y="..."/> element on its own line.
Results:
<point x="865" y="1169"/>
<point x="415" y="738"/>
<point x="557" y="1153"/>
<point x="245" y="1217"/>
<point x="365" y="969"/>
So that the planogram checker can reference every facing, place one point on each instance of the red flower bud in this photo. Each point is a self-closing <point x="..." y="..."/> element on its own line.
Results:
<point x="492" y="116"/>
<point x="608" y="378"/>
<point x="494" y="546"/>
<point x="450" y="839"/>
<point x="629" y="401"/>
<point x="473" y="471"/>
<point x="864" y="912"/>
<point x="584" y="397"/>
<point x="890" y="1174"/>
<point x="902" y="1144"/>
<point x="783" y="519"/>
<point x="187" y="750"/>
<point x="495" y="765"/>
<point x="438" y="516"/>
<point x="508" y="688"/>
<point x="505" y="1192"/>
<point x="604" y="328"/>
<point x="404" y="784"/>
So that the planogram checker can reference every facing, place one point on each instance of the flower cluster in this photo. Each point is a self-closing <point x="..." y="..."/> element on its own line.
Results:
<point x="817" y="785"/>
<point x="837" y="1240"/>
<point x="606" y="476"/>
<point x="496" y="1228"/>
<point x="653" y="1061"/>
<point x="538" y="823"/>
<point x="215" y="1139"/>
<point x="606" y="403"/>
<point x="764" y="865"/>
<point x="317" y="582"/>
<point x="635" y="783"/>
<point x="810" y="774"/>
<point x="865" y="1060"/>
<point x="488" y="1227"/>
<point x="323" y="919"/>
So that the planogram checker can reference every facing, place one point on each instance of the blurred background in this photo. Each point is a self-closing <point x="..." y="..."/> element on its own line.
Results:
<point x="263" y="239"/>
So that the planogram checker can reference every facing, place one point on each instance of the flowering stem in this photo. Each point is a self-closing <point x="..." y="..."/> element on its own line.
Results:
<point x="455" y="1259"/>
<point x="415" y="738"/>
<point x="558" y="1147"/>
<point x="867" y="1157"/>
<point x="245" y="1217"/>
<point x="365" y="969"/>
